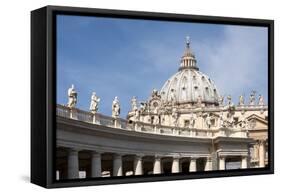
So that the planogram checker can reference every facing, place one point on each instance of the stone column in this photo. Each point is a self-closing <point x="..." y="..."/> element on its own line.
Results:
<point x="261" y="154"/>
<point x="244" y="162"/>
<point x="117" y="165"/>
<point x="138" y="165"/>
<point x="180" y="166"/>
<point x="192" y="165"/>
<point x="73" y="164"/>
<point x="157" y="165"/>
<point x="208" y="165"/>
<point x="176" y="165"/>
<point x="95" y="164"/>
<point x="222" y="163"/>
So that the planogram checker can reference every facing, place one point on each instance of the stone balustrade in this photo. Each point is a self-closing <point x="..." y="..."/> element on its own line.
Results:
<point x="100" y="119"/>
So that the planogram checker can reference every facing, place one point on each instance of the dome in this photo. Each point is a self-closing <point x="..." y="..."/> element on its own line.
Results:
<point x="189" y="85"/>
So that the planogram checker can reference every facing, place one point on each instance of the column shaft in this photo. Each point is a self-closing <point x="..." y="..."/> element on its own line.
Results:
<point x="157" y="166"/>
<point x="261" y="154"/>
<point x="176" y="165"/>
<point x="222" y="163"/>
<point x="96" y="164"/>
<point x="73" y="164"/>
<point x="117" y="165"/>
<point x="208" y="165"/>
<point x="192" y="165"/>
<point x="138" y="165"/>
<point x="244" y="162"/>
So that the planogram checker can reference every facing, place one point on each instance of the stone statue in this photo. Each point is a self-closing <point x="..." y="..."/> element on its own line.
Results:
<point x="94" y="106"/>
<point x="174" y="117"/>
<point x="115" y="108"/>
<point x="253" y="98"/>
<point x="192" y="120"/>
<point x="155" y="93"/>
<point x="134" y="104"/>
<point x="229" y="102"/>
<point x="208" y="121"/>
<point x="230" y="119"/>
<point x="137" y="115"/>
<point x="244" y="123"/>
<point x="142" y="107"/>
<point x="241" y="100"/>
<point x="221" y="120"/>
<point x="72" y="97"/>
<point x="156" y="120"/>
<point x="221" y="100"/>
<point x="261" y="101"/>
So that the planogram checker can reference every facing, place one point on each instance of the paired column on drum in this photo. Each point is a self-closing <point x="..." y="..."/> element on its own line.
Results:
<point x="73" y="164"/>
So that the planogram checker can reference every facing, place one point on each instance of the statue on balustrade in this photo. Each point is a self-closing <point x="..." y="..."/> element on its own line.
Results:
<point x="261" y="100"/>
<point x="115" y="108"/>
<point x="221" y="100"/>
<point x="143" y="106"/>
<point x="72" y="97"/>
<point x="241" y="100"/>
<point x="253" y="98"/>
<point x="94" y="106"/>
<point x="134" y="104"/>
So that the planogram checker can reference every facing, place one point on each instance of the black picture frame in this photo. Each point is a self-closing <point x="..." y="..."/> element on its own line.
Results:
<point x="43" y="93"/>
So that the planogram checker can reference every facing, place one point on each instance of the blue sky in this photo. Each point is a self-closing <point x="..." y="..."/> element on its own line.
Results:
<point x="126" y="58"/>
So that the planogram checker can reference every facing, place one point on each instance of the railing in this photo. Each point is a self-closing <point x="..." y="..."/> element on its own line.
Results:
<point x="120" y="123"/>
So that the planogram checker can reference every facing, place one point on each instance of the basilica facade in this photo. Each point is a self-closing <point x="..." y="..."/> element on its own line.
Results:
<point x="184" y="127"/>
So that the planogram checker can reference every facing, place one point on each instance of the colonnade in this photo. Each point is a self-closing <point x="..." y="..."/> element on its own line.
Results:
<point x="158" y="163"/>
<point x="141" y="164"/>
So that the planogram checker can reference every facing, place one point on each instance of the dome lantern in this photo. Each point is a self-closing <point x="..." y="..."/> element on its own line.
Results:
<point x="189" y="85"/>
<point x="188" y="60"/>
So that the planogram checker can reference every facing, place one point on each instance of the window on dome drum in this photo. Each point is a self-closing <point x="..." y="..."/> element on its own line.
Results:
<point x="213" y="122"/>
<point x="235" y="119"/>
<point x="186" y="123"/>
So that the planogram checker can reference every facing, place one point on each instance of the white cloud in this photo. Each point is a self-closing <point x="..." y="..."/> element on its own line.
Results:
<point x="237" y="63"/>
